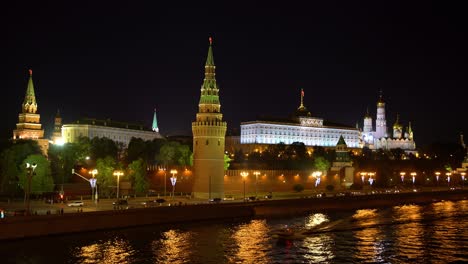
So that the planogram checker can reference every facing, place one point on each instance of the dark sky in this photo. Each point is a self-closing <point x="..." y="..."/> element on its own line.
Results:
<point x="121" y="59"/>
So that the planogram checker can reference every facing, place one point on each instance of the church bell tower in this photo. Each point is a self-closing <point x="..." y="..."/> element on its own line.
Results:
<point x="209" y="131"/>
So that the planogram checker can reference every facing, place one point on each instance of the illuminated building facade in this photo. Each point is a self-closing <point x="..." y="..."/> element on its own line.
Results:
<point x="380" y="139"/>
<point x="312" y="131"/>
<point x="209" y="131"/>
<point x="117" y="131"/>
<point x="29" y="126"/>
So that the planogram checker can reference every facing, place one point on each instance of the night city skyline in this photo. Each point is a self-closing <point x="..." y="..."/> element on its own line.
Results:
<point x="122" y="61"/>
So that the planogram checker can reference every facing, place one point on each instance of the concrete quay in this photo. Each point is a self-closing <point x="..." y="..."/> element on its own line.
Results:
<point x="21" y="227"/>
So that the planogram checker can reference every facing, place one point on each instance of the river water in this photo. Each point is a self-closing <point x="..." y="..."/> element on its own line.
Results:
<point x="433" y="233"/>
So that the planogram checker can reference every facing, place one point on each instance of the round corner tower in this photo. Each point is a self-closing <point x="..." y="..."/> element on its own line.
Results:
<point x="209" y="131"/>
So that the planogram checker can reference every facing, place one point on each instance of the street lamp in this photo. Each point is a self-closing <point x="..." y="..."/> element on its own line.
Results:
<point x="402" y="176"/>
<point x="164" y="169"/>
<point x="363" y="177"/>
<point x="413" y="174"/>
<point x="371" y="178"/>
<point x="118" y="174"/>
<point x="437" y="177"/>
<point x="92" y="181"/>
<point x="317" y="175"/>
<point x="448" y="178"/>
<point x="256" y="173"/>
<point x="173" y="181"/>
<point x="30" y="167"/>
<point x="244" y="174"/>
<point x="463" y="178"/>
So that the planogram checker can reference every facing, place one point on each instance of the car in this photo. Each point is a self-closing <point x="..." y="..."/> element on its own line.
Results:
<point x="229" y="198"/>
<point x="120" y="202"/>
<point x="149" y="203"/>
<point x="75" y="203"/>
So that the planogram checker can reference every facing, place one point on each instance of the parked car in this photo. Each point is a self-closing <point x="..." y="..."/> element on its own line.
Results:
<point x="229" y="198"/>
<point x="120" y="202"/>
<point x="75" y="203"/>
<point x="149" y="203"/>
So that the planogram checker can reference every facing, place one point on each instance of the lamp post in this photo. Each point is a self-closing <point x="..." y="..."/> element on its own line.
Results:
<point x="92" y="181"/>
<point x="371" y="177"/>
<point x="463" y="178"/>
<point x="244" y="174"/>
<point x="164" y="170"/>
<point x="256" y="173"/>
<point x="363" y="176"/>
<point x="118" y="174"/>
<point x="402" y="176"/>
<point x="448" y="178"/>
<point x="173" y="181"/>
<point x="413" y="175"/>
<point x="30" y="167"/>
<point x="317" y="175"/>
<point x="437" y="177"/>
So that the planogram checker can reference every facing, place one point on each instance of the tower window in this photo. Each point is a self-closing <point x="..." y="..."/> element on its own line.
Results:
<point x="206" y="142"/>
<point x="196" y="142"/>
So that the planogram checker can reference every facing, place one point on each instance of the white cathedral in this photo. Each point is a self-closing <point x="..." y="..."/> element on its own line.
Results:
<point x="380" y="138"/>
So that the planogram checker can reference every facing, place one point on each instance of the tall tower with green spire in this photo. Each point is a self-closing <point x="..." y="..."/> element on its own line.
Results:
<point x="155" y="123"/>
<point x="29" y="126"/>
<point x="209" y="131"/>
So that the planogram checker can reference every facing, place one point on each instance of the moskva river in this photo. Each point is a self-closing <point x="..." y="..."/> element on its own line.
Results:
<point x="433" y="233"/>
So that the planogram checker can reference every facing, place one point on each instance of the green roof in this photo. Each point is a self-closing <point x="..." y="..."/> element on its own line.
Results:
<point x="341" y="141"/>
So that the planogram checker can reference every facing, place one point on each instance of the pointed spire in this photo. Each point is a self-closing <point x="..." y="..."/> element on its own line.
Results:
<point x="380" y="102"/>
<point x="209" y="58"/>
<point x="29" y="103"/>
<point x="302" y="97"/>
<point x="341" y="141"/>
<point x="58" y="113"/>
<point x="302" y="110"/>
<point x="397" y="122"/>
<point x="155" y="122"/>
<point x="367" y="113"/>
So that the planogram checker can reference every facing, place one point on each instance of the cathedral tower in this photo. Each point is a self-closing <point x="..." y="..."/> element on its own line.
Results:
<point x="397" y="128"/>
<point x="29" y="126"/>
<point x="367" y="123"/>
<point x="57" y="135"/>
<point x="209" y="131"/>
<point x="380" y="122"/>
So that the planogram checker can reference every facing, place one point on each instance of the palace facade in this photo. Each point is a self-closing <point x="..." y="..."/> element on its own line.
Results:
<point x="301" y="127"/>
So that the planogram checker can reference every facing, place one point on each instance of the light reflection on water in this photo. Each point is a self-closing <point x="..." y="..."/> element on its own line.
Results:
<point x="436" y="233"/>
<point x="409" y="235"/>
<point x="112" y="251"/>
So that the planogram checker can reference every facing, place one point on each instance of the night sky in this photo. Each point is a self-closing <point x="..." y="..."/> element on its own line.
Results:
<point x="120" y="61"/>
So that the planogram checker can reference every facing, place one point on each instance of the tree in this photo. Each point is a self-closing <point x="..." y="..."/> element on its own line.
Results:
<point x="103" y="147"/>
<point x="137" y="174"/>
<point x="321" y="164"/>
<point x="227" y="161"/>
<point x="11" y="162"/>
<point x="174" y="153"/>
<point x="41" y="180"/>
<point x="105" y="178"/>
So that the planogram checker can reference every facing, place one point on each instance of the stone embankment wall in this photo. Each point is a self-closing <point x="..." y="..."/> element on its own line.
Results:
<point x="33" y="226"/>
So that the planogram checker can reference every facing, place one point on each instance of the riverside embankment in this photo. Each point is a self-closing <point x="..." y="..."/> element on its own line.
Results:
<point x="43" y="225"/>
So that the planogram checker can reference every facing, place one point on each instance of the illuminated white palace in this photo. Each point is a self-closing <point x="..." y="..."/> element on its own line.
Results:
<point x="312" y="131"/>
<point x="380" y="139"/>
<point x="117" y="131"/>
